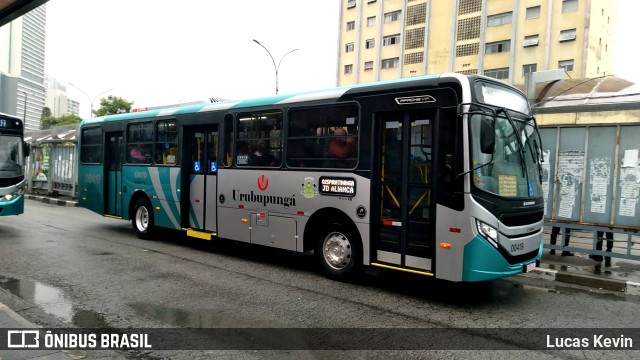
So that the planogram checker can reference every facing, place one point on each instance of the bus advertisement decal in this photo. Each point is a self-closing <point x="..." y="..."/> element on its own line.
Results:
<point x="337" y="186"/>
<point x="309" y="188"/>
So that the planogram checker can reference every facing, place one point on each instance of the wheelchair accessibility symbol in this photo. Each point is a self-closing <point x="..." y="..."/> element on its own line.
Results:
<point x="196" y="166"/>
<point x="214" y="166"/>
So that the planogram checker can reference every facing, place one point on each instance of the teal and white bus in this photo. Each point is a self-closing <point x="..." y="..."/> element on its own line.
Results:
<point x="436" y="175"/>
<point x="12" y="155"/>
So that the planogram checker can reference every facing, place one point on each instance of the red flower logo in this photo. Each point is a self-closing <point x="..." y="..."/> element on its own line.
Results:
<point x="263" y="183"/>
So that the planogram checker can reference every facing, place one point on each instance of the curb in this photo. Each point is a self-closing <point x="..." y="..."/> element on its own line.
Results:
<point x="628" y="287"/>
<point x="48" y="200"/>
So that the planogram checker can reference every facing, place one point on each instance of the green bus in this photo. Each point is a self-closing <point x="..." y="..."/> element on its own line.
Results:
<point x="436" y="175"/>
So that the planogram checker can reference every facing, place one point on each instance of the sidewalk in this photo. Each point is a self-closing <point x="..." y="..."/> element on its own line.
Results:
<point x="9" y="319"/>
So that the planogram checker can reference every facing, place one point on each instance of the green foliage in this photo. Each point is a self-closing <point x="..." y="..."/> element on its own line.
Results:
<point x="112" y="105"/>
<point x="47" y="122"/>
<point x="46" y="112"/>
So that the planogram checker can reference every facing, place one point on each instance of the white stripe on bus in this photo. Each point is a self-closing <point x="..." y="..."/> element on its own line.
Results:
<point x="157" y="186"/>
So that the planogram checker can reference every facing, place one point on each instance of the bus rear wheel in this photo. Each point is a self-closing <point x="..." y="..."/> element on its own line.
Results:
<point x="338" y="252"/>
<point x="142" y="220"/>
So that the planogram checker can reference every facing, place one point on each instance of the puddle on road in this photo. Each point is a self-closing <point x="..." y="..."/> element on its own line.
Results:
<point x="53" y="301"/>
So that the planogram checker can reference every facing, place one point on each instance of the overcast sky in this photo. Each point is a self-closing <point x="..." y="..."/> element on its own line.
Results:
<point x="158" y="52"/>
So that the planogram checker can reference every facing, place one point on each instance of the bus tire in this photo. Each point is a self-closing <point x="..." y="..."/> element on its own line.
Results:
<point x="339" y="253"/>
<point x="142" y="220"/>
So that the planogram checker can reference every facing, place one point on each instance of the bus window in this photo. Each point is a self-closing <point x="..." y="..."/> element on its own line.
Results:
<point x="228" y="135"/>
<point x="91" y="149"/>
<point x="140" y="143"/>
<point x="261" y="134"/>
<point x="166" y="142"/>
<point x="323" y="137"/>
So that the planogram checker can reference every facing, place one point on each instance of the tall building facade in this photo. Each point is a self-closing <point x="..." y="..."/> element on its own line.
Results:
<point x="57" y="99"/>
<point x="22" y="56"/>
<point x="505" y="39"/>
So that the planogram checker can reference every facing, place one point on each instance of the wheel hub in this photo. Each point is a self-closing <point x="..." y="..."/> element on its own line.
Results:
<point x="337" y="250"/>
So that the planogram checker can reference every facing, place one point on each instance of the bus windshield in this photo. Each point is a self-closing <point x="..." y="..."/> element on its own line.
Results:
<point x="11" y="163"/>
<point x="513" y="167"/>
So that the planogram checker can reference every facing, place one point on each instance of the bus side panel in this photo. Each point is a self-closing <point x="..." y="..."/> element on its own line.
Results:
<point x="91" y="188"/>
<point x="451" y="228"/>
<point x="15" y="206"/>
<point x="160" y="185"/>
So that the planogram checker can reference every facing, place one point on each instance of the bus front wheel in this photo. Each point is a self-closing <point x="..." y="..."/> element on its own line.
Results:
<point x="142" y="219"/>
<point x="338" y="252"/>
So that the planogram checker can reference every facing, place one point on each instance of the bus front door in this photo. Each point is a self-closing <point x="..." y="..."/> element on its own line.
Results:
<point x="405" y="216"/>
<point x="113" y="174"/>
<point x="201" y="165"/>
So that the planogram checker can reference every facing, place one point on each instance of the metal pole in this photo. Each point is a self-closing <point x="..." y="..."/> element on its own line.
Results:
<point x="276" y="67"/>
<point x="89" y="98"/>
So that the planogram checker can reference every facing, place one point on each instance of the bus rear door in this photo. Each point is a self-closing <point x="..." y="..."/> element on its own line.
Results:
<point x="113" y="173"/>
<point x="201" y="165"/>
<point x="405" y="219"/>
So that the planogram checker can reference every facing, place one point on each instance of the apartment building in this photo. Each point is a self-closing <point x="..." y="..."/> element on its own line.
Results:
<point x="22" y="58"/>
<point x="505" y="39"/>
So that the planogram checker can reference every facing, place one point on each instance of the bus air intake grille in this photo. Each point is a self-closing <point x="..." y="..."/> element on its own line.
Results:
<point x="521" y="219"/>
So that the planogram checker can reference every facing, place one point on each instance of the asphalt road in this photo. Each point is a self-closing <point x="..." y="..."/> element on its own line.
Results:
<point x="82" y="270"/>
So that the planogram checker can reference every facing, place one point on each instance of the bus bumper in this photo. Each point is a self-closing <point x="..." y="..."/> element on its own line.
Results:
<point x="15" y="206"/>
<point x="483" y="262"/>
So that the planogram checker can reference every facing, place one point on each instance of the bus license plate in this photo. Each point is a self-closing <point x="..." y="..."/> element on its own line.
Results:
<point x="530" y="266"/>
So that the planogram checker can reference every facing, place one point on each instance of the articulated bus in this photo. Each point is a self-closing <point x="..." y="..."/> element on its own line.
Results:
<point x="436" y="175"/>
<point x="12" y="154"/>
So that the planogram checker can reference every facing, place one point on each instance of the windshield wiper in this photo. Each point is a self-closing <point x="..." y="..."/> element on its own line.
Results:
<point x="520" y="147"/>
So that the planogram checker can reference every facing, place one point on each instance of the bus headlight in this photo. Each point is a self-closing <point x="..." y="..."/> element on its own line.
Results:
<point x="7" y="197"/>
<point x="488" y="232"/>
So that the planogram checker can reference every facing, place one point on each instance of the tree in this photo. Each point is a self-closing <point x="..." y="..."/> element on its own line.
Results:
<point x="47" y="122"/>
<point x="46" y="112"/>
<point x="113" y="105"/>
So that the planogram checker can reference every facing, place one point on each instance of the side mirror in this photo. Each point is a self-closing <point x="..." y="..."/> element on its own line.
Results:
<point x="25" y="148"/>
<point x="487" y="136"/>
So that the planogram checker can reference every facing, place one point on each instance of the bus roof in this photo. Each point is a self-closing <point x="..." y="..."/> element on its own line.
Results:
<point x="326" y="94"/>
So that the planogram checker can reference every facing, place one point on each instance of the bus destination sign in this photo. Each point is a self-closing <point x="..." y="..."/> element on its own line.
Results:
<point x="10" y="124"/>
<point x="337" y="186"/>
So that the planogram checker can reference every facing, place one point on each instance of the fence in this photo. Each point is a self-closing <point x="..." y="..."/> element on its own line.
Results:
<point x="591" y="182"/>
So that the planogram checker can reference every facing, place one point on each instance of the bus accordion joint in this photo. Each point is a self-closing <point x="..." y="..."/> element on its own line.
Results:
<point x="445" y="245"/>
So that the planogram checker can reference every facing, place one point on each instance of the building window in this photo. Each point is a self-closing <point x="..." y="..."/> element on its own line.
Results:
<point x="567" y="65"/>
<point x="351" y="25"/>
<point x="351" y="4"/>
<point x="567" y="35"/>
<point x="392" y="16"/>
<point x="391" y="40"/>
<point x="390" y="63"/>
<point x="416" y="14"/>
<point x="348" y="47"/>
<point x="531" y="40"/>
<point x="348" y="69"/>
<point x="469" y="6"/>
<point x="413" y="58"/>
<point x="498" y="47"/>
<point x="533" y="12"/>
<point x="468" y="72"/>
<point x="499" y="19"/>
<point x="569" y="5"/>
<point x="370" y="44"/>
<point x="467" y="49"/>
<point x="371" y="21"/>
<point x="414" y="39"/>
<point x="370" y="1"/>
<point x="529" y="68"/>
<point x="368" y="65"/>
<point x="468" y="28"/>
<point x="502" y="73"/>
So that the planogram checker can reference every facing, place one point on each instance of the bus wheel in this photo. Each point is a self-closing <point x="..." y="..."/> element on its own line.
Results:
<point x="142" y="219"/>
<point x="338" y="252"/>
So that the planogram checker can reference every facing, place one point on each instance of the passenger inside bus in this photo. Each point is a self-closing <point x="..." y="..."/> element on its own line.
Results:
<point x="343" y="148"/>
<point x="137" y="154"/>
<point x="261" y="156"/>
